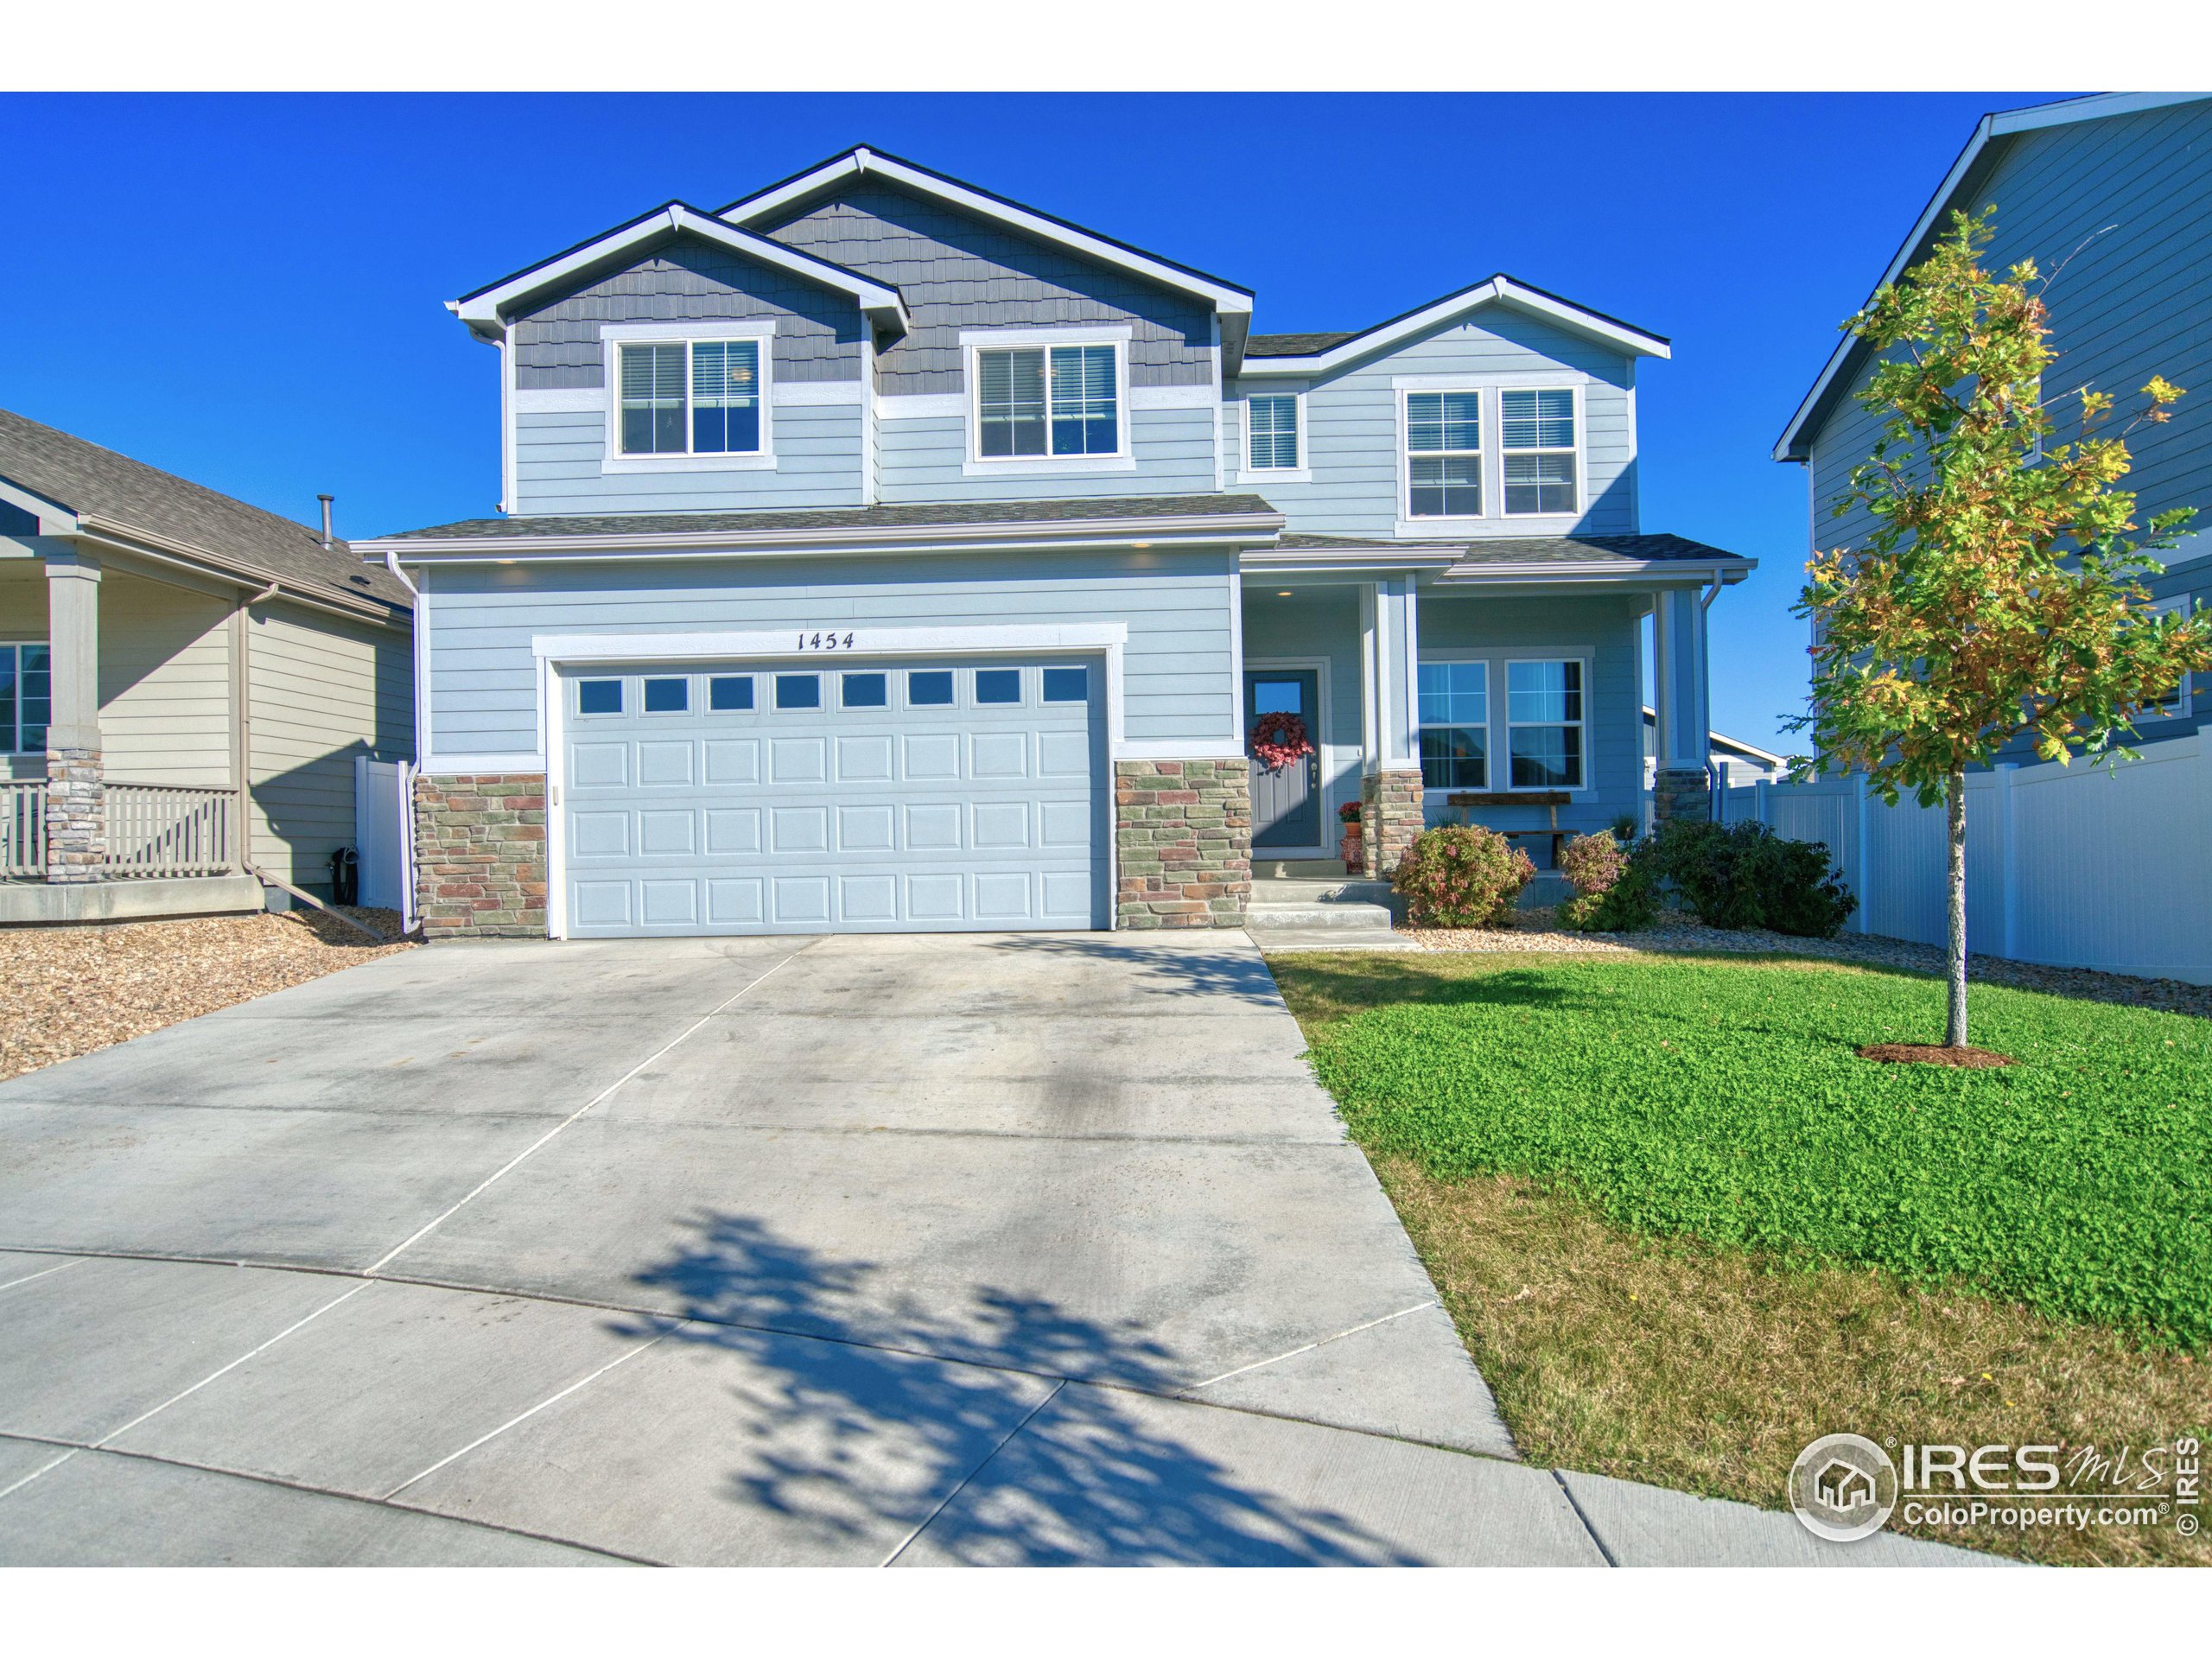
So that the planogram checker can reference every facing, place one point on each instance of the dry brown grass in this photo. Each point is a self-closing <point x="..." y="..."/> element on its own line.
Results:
<point x="1709" y="1373"/>
<point x="65" y="991"/>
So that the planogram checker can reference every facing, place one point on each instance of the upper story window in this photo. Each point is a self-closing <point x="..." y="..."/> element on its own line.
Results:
<point x="1042" y="401"/>
<point x="1537" y="433"/>
<point x="1444" y="455"/>
<point x="1274" y="439"/>
<point x="26" y="694"/>
<point x="690" y="397"/>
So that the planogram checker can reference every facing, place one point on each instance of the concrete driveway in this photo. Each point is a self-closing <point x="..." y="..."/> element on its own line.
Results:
<point x="958" y="1249"/>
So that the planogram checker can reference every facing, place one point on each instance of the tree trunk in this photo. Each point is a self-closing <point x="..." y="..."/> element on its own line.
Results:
<point x="1955" y="1024"/>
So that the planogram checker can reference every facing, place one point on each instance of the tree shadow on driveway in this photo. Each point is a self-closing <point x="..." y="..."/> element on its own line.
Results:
<point x="865" y="1429"/>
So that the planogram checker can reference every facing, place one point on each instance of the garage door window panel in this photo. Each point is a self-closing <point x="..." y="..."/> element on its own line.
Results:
<point x="864" y="690"/>
<point x="667" y="696"/>
<point x="730" y="694"/>
<point x="929" y="689"/>
<point x="798" y="692"/>
<point x="599" y="697"/>
<point x="997" y="687"/>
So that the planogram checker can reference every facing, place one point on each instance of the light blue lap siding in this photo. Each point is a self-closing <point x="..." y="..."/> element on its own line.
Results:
<point x="1469" y="627"/>
<point x="1351" y="446"/>
<point x="922" y="460"/>
<point x="559" y="455"/>
<point x="1178" y="679"/>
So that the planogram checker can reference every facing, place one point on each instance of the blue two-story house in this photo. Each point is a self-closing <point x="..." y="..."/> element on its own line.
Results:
<point x="880" y="554"/>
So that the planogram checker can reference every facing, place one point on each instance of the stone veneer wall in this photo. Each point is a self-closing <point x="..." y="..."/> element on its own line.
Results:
<point x="76" y="815"/>
<point x="1680" y="793"/>
<point x="1390" y="819"/>
<point x="1183" y="833"/>
<point x="479" y="854"/>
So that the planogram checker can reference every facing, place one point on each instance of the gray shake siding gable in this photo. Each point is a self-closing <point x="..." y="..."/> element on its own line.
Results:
<point x="818" y="332"/>
<point x="955" y="270"/>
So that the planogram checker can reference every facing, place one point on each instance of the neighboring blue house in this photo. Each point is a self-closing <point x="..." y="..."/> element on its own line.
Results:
<point x="2112" y="197"/>
<point x="882" y="554"/>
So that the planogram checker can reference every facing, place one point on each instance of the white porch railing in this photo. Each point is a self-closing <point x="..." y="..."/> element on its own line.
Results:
<point x="22" y="829"/>
<point x="169" y="829"/>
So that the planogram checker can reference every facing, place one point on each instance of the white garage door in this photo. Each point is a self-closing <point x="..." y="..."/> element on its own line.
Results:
<point x="847" y="797"/>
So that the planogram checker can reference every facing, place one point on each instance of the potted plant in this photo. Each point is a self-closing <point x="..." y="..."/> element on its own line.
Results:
<point x="1353" y="846"/>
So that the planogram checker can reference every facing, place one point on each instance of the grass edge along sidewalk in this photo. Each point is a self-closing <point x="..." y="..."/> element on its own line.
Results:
<point x="1631" y="1345"/>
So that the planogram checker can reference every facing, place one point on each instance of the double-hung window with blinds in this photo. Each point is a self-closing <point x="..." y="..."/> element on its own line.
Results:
<point x="1056" y="400"/>
<point x="1274" y="419"/>
<point x="1537" y="431"/>
<point x="1444" y="459"/>
<point x="700" y="398"/>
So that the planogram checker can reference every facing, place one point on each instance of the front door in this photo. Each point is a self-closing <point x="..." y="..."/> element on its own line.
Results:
<point x="1286" y="805"/>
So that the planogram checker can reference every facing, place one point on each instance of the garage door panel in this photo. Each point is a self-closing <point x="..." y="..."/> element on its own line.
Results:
<point x="798" y="761"/>
<point x="932" y="758"/>
<point x="665" y="764"/>
<point x="883" y="810"/>
<point x="733" y="832"/>
<point x="864" y="760"/>
<point x="865" y="829"/>
<point x="733" y="761"/>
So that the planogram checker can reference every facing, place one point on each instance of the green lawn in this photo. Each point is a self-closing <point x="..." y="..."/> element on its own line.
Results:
<point x="1722" y="1102"/>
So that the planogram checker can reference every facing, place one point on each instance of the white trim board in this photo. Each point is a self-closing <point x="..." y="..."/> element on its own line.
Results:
<point x="1499" y="290"/>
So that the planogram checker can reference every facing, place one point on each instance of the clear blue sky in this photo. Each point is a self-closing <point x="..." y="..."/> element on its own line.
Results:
<point x="249" y="290"/>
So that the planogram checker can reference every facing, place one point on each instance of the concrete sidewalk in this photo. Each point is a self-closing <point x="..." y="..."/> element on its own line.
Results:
<point x="845" y="1251"/>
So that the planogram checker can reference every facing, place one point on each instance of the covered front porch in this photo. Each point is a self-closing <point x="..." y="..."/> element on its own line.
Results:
<point x="1452" y="692"/>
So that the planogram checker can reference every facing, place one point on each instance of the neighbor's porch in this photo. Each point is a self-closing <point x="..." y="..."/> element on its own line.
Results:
<point x="1431" y="701"/>
<point x="122" y="729"/>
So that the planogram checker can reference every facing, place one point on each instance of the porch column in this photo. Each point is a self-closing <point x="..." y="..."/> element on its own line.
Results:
<point x="1390" y="787"/>
<point x="1683" y="740"/>
<point x="76" y="810"/>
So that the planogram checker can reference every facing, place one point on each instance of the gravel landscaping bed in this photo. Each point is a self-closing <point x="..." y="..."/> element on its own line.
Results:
<point x="1535" y="931"/>
<point x="65" y="991"/>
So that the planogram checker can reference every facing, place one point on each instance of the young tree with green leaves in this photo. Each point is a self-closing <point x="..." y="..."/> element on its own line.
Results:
<point x="2000" y="594"/>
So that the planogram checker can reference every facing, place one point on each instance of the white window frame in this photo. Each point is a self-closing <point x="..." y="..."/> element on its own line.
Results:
<point x="975" y="340"/>
<point x="1486" y="414"/>
<point x="1490" y="716"/>
<point x="1494" y="518"/>
<point x="1581" y="485"/>
<point x="15" y="644"/>
<point x="1508" y="725"/>
<point x="615" y="335"/>
<point x="1301" y="473"/>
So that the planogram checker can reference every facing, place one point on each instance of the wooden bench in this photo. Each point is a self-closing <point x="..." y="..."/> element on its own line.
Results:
<point x="1551" y="798"/>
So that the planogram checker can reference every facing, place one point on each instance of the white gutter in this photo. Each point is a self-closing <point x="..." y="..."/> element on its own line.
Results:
<point x="1698" y="573"/>
<point x="1193" y="531"/>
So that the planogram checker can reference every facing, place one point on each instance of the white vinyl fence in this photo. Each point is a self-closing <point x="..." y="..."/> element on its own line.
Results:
<point x="2076" y="866"/>
<point x="384" y="832"/>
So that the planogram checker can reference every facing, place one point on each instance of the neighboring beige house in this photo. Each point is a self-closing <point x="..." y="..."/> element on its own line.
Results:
<point x="185" y="683"/>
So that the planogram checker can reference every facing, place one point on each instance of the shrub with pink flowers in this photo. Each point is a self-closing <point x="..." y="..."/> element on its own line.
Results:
<point x="1462" y="875"/>
<point x="1612" y="893"/>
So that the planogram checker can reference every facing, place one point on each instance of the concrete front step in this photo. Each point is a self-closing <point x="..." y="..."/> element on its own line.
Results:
<point x="1286" y="890"/>
<point x="1347" y="916"/>
<point x="1298" y="870"/>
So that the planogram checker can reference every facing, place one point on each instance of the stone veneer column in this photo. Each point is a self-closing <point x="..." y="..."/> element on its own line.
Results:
<point x="1183" y="839"/>
<point x="479" y="855"/>
<point x="1680" y="793"/>
<point x="76" y="815"/>
<point x="1391" y="818"/>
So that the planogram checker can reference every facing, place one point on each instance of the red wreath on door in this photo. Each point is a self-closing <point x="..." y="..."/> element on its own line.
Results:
<point x="1278" y="739"/>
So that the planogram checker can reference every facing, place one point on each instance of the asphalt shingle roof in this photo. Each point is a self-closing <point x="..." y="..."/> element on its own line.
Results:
<point x="951" y="512"/>
<point x="85" y="477"/>
<point x="1534" y="550"/>
<point x="1296" y="345"/>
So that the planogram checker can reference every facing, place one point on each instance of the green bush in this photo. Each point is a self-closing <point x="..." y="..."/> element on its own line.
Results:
<point x="1461" y="876"/>
<point x="1744" y="875"/>
<point x="1612" y="894"/>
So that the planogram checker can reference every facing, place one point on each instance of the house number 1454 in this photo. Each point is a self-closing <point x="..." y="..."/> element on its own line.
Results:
<point x="828" y="641"/>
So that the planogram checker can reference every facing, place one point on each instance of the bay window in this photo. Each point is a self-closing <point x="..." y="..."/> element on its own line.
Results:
<point x="1037" y="401"/>
<point x="1443" y="460"/>
<point x="689" y="397"/>
<point x="1536" y="435"/>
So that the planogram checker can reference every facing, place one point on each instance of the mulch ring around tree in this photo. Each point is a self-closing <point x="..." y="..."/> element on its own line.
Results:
<point x="1933" y="1054"/>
